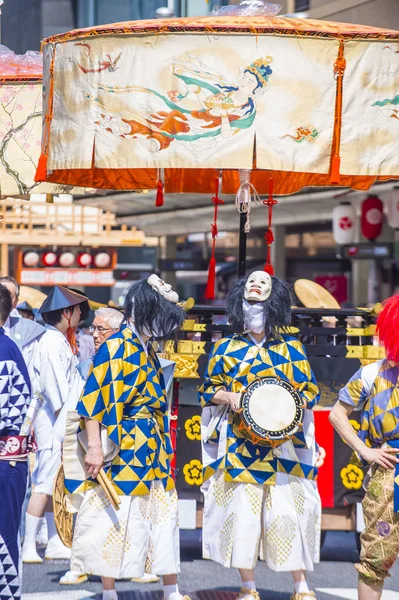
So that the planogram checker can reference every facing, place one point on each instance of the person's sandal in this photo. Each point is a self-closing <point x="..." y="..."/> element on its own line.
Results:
<point x="247" y="592"/>
<point x="303" y="596"/>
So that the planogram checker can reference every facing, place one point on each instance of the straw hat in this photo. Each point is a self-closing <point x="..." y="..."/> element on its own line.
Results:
<point x="313" y="295"/>
<point x="34" y="297"/>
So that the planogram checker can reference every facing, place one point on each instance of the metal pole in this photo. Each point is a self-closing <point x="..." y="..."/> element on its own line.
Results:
<point x="242" y="247"/>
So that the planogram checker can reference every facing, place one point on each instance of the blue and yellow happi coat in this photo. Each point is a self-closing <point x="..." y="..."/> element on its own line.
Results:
<point x="125" y="392"/>
<point x="234" y="363"/>
<point x="374" y="389"/>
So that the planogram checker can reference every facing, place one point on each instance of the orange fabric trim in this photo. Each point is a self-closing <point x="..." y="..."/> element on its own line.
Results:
<point x="107" y="179"/>
<point x="231" y="25"/>
<point x="41" y="170"/>
<point x="202" y="181"/>
<point x="21" y="78"/>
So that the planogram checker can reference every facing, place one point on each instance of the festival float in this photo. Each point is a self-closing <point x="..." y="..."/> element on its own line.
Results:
<point x="241" y="102"/>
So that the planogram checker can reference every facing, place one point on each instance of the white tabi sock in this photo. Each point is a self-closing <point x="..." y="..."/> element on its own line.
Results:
<point x="32" y="526"/>
<point x="110" y="595"/>
<point x="171" y="592"/>
<point x="51" y="528"/>
<point x="250" y="585"/>
<point x="301" y="587"/>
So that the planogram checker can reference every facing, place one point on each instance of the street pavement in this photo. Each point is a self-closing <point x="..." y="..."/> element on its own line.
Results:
<point x="334" y="578"/>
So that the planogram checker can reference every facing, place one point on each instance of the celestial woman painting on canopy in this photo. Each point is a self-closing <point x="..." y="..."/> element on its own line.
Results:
<point x="224" y="108"/>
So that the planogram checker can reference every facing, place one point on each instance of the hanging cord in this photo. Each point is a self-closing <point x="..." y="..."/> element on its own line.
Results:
<point x="210" y="286"/>
<point x="269" y="236"/>
<point x="70" y="335"/>
<point x="339" y="70"/>
<point x="244" y="199"/>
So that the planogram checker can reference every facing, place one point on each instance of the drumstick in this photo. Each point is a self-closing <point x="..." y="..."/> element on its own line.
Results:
<point x="116" y="499"/>
<point x="108" y="489"/>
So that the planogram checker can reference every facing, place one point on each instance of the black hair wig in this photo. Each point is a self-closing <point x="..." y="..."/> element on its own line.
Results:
<point x="152" y="312"/>
<point x="5" y="303"/>
<point x="276" y="309"/>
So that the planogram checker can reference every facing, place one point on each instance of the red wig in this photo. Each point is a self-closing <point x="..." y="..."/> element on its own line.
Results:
<point x="388" y="328"/>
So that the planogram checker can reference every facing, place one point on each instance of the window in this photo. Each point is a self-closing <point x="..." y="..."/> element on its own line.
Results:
<point x="301" y="5"/>
<point x="98" y="12"/>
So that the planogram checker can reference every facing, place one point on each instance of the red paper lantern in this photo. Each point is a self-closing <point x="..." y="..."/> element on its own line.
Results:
<point x="372" y="217"/>
<point x="85" y="259"/>
<point x="344" y="223"/>
<point x="49" y="259"/>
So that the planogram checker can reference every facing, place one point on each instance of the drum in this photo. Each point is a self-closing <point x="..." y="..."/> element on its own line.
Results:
<point x="271" y="411"/>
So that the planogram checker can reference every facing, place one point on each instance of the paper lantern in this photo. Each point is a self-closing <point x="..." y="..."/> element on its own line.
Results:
<point x="66" y="259"/>
<point x="344" y="223"/>
<point x="31" y="259"/>
<point x="85" y="259"/>
<point x="49" y="259"/>
<point x="102" y="260"/>
<point x="372" y="217"/>
<point x="393" y="208"/>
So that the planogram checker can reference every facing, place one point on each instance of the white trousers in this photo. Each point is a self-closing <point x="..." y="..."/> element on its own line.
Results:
<point x="143" y="535"/>
<point x="279" y="524"/>
<point x="46" y="466"/>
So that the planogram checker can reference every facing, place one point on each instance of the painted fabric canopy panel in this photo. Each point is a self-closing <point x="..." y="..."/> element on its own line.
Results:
<point x="194" y="95"/>
<point x="21" y="129"/>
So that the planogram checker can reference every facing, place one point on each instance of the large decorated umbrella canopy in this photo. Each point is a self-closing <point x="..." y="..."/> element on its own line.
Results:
<point x="311" y="103"/>
<point x="264" y="104"/>
<point x="21" y="125"/>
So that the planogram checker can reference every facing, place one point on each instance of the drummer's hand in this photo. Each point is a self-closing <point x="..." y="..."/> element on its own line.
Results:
<point x="94" y="460"/>
<point x="382" y="456"/>
<point x="233" y="400"/>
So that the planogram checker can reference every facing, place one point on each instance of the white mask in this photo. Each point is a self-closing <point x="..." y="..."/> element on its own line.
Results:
<point x="258" y="287"/>
<point x="253" y="317"/>
<point x="164" y="289"/>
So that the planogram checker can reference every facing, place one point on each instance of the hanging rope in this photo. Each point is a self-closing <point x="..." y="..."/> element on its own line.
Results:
<point x="210" y="286"/>
<point x="244" y="198"/>
<point x="269" y="236"/>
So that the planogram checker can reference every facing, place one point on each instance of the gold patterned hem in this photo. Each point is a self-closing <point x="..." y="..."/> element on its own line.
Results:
<point x="303" y="595"/>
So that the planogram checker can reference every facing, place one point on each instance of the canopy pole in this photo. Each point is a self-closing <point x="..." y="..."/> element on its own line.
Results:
<point x="242" y="247"/>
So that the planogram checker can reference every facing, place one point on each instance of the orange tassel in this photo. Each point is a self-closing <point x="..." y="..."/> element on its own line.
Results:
<point x="159" y="196"/>
<point x="210" y="286"/>
<point x="41" y="171"/>
<point x="335" y="166"/>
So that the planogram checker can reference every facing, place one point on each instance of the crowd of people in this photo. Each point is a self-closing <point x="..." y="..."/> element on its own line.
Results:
<point x="98" y="405"/>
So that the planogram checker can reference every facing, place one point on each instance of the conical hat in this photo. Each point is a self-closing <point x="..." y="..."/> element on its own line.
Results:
<point x="25" y="306"/>
<point x="34" y="297"/>
<point x="313" y="295"/>
<point x="59" y="298"/>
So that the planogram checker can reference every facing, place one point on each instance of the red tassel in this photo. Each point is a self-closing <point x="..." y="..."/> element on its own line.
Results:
<point x="41" y="171"/>
<point x="210" y="285"/>
<point x="335" y="166"/>
<point x="269" y="269"/>
<point x="159" y="196"/>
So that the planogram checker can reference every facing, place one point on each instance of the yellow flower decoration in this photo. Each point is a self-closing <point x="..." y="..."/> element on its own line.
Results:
<point x="192" y="472"/>
<point x="355" y="424"/>
<point x="193" y="428"/>
<point x="352" y="477"/>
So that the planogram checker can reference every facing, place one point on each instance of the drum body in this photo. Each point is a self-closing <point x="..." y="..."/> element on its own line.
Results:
<point x="271" y="411"/>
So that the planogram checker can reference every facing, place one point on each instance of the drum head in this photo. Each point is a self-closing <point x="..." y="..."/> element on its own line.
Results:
<point x="272" y="411"/>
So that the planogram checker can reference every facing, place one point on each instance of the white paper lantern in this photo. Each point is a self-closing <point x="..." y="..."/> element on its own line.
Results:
<point x="102" y="260"/>
<point x="344" y="223"/>
<point x="31" y="259"/>
<point x="66" y="259"/>
<point x="392" y="205"/>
